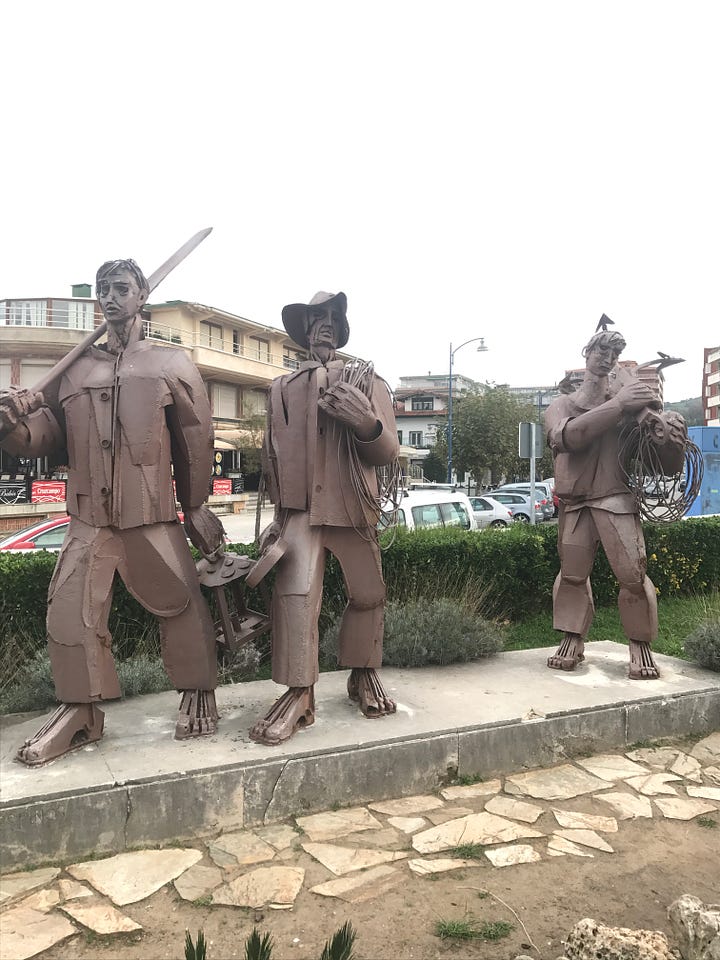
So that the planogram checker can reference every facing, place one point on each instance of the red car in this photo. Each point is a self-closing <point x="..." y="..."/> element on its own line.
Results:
<point x="43" y="535"/>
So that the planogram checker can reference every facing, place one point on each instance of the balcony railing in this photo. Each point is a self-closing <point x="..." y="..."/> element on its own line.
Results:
<point x="208" y="341"/>
<point x="177" y="336"/>
<point x="52" y="319"/>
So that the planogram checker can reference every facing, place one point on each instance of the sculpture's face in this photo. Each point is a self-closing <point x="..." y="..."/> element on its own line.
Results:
<point x="601" y="360"/>
<point x="322" y="331"/>
<point x="120" y="297"/>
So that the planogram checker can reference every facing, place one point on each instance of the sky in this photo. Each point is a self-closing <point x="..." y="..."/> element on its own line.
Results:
<point x="459" y="169"/>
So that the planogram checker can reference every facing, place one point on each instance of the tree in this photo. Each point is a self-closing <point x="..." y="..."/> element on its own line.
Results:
<point x="485" y="436"/>
<point x="248" y="440"/>
<point x="434" y="466"/>
<point x="691" y="409"/>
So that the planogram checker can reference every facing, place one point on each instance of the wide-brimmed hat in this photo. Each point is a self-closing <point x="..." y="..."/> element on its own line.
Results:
<point x="296" y="317"/>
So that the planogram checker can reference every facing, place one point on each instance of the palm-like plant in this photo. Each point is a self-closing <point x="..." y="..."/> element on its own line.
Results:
<point x="195" y="951"/>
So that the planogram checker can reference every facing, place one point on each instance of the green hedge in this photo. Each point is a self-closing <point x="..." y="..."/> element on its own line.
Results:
<point x="516" y="568"/>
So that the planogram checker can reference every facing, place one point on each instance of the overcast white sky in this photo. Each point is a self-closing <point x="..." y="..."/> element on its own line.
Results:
<point x="460" y="169"/>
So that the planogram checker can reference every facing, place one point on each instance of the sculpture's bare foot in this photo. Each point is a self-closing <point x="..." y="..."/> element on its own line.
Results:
<point x="197" y="715"/>
<point x="71" y="725"/>
<point x="294" y="710"/>
<point x="570" y="652"/>
<point x="642" y="665"/>
<point x="365" y="687"/>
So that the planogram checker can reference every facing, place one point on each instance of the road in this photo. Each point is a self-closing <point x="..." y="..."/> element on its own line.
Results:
<point x="240" y="527"/>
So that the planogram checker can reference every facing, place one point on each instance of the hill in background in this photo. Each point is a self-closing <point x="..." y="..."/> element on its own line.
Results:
<point x="691" y="409"/>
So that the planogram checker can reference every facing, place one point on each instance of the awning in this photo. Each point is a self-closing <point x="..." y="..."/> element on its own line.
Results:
<point x="243" y="437"/>
<point x="222" y="444"/>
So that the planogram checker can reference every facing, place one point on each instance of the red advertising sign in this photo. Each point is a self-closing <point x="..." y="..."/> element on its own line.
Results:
<point x="222" y="486"/>
<point x="48" y="491"/>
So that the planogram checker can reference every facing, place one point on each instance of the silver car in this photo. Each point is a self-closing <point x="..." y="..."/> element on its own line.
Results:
<point x="543" y="493"/>
<point x="490" y="513"/>
<point x="519" y="504"/>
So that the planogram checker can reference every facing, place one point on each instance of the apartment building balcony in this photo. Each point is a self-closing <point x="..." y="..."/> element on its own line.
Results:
<point x="51" y="336"/>
<point x="40" y="340"/>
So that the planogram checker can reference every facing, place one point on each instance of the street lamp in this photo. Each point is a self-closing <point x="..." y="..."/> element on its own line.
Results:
<point x="481" y="349"/>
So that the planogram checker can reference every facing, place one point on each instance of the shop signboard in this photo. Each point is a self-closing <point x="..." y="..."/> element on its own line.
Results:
<point x="13" y="491"/>
<point x="48" y="491"/>
<point x="222" y="486"/>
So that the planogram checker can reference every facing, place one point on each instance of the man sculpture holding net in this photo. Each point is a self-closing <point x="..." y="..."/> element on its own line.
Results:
<point x="594" y="433"/>
<point x="330" y="425"/>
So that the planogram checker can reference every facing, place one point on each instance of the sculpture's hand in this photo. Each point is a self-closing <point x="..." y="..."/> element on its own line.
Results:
<point x="634" y="396"/>
<point x="204" y="529"/>
<point x="15" y="405"/>
<point x="350" y="406"/>
<point x="676" y="428"/>
<point x="269" y="535"/>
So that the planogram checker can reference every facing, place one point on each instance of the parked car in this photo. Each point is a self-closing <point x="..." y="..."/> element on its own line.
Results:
<point x="431" y="508"/>
<point x="550" y="481"/>
<point x="518" y="504"/>
<point x="43" y="535"/>
<point x="543" y="492"/>
<point x="489" y="512"/>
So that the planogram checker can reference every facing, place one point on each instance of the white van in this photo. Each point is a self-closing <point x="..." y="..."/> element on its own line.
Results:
<point x="422" y="509"/>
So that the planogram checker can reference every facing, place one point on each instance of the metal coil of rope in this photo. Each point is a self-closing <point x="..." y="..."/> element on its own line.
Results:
<point x="659" y="498"/>
<point x="361" y="374"/>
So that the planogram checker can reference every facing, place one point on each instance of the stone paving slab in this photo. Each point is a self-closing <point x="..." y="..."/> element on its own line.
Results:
<point x="34" y="923"/>
<point x="139" y="787"/>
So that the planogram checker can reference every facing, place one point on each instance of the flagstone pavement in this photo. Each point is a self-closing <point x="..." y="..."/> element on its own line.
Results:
<point x="522" y="818"/>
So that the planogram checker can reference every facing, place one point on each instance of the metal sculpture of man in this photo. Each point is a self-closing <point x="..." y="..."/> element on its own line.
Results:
<point x="586" y="430"/>
<point x="326" y="436"/>
<point x="132" y="415"/>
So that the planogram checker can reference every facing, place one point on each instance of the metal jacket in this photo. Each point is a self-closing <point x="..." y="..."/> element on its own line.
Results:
<point x="307" y="453"/>
<point x="124" y="420"/>
<point x="590" y="471"/>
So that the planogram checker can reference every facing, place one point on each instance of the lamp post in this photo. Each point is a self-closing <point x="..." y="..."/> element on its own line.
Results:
<point x="481" y="349"/>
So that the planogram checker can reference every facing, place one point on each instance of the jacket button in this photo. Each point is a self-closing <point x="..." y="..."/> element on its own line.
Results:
<point x="318" y="487"/>
<point x="104" y="395"/>
<point x="105" y="491"/>
<point x="104" y="444"/>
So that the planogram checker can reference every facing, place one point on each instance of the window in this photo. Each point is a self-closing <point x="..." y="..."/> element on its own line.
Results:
<point x="224" y="401"/>
<point x="427" y="515"/>
<point x="50" y="539"/>
<point x="455" y="515"/>
<point x="74" y="314"/>
<point x="415" y="438"/>
<point x="31" y="372"/>
<point x="399" y="433"/>
<point x="211" y="335"/>
<point x="254" y="402"/>
<point x="259" y="349"/>
<point x="291" y="358"/>
<point x="30" y="313"/>
<point x="422" y="403"/>
<point x="236" y="342"/>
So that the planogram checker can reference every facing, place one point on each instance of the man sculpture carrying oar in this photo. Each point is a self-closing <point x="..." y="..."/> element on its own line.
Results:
<point x="132" y="415"/>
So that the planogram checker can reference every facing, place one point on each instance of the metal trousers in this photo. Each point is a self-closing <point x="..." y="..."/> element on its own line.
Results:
<point x="579" y="533"/>
<point x="158" y="570"/>
<point x="297" y="597"/>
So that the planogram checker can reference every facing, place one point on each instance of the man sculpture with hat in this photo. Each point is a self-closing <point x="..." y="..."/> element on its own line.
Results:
<point x="330" y="425"/>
